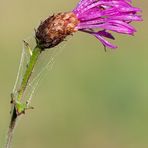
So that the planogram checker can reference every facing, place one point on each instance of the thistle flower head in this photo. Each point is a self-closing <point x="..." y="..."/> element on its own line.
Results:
<point x="96" y="17"/>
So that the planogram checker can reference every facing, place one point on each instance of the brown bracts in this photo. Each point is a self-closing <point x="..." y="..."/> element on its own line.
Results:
<point x="55" y="28"/>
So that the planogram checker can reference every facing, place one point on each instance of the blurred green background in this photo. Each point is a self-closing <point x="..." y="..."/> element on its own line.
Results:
<point x="91" y="98"/>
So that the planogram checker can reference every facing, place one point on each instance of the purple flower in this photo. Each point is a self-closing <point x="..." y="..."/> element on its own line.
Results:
<point x="97" y="17"/>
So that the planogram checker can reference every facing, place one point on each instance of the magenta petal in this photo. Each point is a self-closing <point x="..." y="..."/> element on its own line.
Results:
<point x="106" y="34"/>
<point x="104" y="42"/>
<point x="106" y="15"/>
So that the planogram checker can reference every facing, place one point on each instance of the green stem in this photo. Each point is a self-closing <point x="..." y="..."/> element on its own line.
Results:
<point x="24" y="83"/>
<point x="29" y="70"/>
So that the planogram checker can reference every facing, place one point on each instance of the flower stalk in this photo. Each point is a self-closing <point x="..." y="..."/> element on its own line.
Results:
<point x="19" y="108"/>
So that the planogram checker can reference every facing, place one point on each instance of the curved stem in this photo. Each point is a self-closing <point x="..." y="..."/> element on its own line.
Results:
<point x="11" y="128"/>
<point x="29" y="70"/>
<point x="24" y="83"/>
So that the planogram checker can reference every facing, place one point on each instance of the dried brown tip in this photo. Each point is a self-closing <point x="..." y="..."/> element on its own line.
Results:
<point x="55" y="28"/>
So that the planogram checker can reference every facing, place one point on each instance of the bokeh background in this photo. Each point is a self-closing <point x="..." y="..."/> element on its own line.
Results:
<point x="91" y="98"/>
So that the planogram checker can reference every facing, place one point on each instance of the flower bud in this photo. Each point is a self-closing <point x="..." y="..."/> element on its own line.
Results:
<point x="55" y="28"/>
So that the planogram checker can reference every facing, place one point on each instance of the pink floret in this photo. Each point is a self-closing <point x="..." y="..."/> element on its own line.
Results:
<point x="97" y="17"/>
